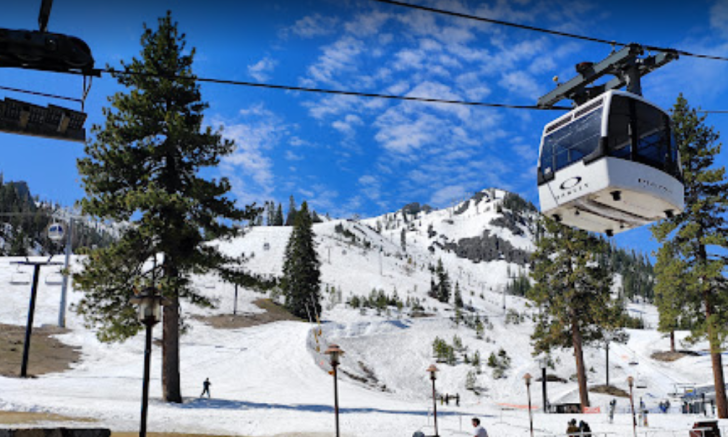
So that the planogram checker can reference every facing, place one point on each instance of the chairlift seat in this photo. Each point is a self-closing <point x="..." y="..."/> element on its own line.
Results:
<point x="54" y="279"/>
<point x="20" y="278"/>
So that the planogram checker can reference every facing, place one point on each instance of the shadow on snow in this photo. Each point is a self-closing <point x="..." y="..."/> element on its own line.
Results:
<point x="223" y="404"/>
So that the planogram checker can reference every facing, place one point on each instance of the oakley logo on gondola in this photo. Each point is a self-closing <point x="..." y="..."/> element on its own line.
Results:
<point x="654" y="185"/>
<point x="570" y="183"/>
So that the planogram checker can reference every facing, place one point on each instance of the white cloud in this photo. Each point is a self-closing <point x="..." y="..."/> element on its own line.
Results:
<point x="249" y="167"/>
<point x="367" y="24"/>
<point x="346" y="126"/>
<point x="261" y="69"/>
<point x="312" y="26"/>
<point x="336" y="58"/>
<point x="445" y="195"/>
<point x="521" y="84"/>
<point x="293" y="157"/>
<point x="404" y="133"/>
<point x="719" y="16"/>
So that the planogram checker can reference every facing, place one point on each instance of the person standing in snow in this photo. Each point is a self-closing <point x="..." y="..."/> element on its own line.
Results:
<point x="572" y="430"/>
<point x="206" y="388"/>
<point x="479" y="430"/>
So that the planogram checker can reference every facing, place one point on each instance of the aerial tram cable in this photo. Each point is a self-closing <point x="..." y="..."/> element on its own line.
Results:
<point x="335" y="92"/>
<point x="548" y="31"/>
<point x="359" y="93"/>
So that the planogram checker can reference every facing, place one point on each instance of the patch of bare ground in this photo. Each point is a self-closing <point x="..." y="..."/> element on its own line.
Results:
<point x="273" y="313"/>
<point x="609" y="390"/>
<point x="46" y="355"/>
<point x="28" y="418"/>
<point x="668" y="356"/>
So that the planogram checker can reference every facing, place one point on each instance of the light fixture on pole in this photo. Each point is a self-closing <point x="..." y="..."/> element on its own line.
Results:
<point x="150" y="303"/>
<point x="630" y="382"/>
<point x="432" y="369"/>
<point x="527" y="378"/>
<point x="334" y="353"/>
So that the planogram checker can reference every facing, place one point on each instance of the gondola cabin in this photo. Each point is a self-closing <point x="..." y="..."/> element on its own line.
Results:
<point x="610" y="165"/>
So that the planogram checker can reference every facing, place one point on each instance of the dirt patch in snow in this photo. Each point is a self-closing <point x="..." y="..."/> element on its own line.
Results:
<point x="46" y="355"/>
<point x="609" y="390"/>
<point x="668" y="356"/>
<point x="30" y="418"/>
<point x="273" y="313"/>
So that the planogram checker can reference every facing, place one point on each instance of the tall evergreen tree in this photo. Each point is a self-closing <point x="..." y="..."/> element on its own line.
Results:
<point x="291" y="217"/>
<point x="458" y="296"/>
<point x="691" y="261"/>
<point x="442" y="286"/>
<point x="279" y="216"/>
<point x="143" y="167"/>
<point x="301" y="281"/>
<point x="573" y="291"/>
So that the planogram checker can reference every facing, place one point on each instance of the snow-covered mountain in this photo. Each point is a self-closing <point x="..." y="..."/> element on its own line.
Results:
<point x="273" y="378"/>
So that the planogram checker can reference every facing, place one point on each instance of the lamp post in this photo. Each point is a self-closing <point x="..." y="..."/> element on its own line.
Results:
<point x="31" y="310"/>
<point x="630" y="381"/>
<point x="543" y="363"/>
<point x="150" y="303"/>
<point x="335" y="352"/>
<point x="527" y="378"/>
<point x="432" y="369"/>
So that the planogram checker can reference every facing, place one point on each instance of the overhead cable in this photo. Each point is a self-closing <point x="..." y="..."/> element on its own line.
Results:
<point x="337" y="92"/>
<point x="37" y="93"/>
<point x="547" y="31"/>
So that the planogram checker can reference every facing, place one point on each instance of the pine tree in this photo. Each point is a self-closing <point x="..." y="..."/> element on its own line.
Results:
<point x="301" y="281"/>
<point x="291" y="217"/>
<point x="458" y="296"/>
<point x="142" y="167"/>
<point x="573" y="292"/>
<point x="279" y="216"/>
<point x="403" y="239"/>
<point x="691" y="260"/>
<point x="443" y="283"/>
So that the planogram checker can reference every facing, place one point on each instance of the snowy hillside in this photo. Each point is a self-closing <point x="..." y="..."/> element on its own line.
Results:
<point x="272" y="379"/>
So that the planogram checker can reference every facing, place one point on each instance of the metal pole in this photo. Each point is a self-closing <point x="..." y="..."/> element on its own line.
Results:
<point x="64" y="287"/>
<point x="530" y="413"/>
<point x="543" y="385"/>
<point x="235" y="307"/>
<point x="336" y="398"/>
<point x="607" y="363"/>
<point x="29" y="326"/>
<point x="634" y="419"/>
<point x="380" y="262"/>
<point x="145" y="383"/>
<point x="504" y="300"/>
<point x="434" y="404"/>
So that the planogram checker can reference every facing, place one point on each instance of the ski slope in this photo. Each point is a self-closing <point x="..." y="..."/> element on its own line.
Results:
<point x="270" y="380"/>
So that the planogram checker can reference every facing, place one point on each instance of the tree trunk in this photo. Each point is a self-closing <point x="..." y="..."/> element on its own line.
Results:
<point x="580" y="371"/>
<point x="672" y="340"/>
<point x="721" y="403"/>
<point x="171" y="391"/>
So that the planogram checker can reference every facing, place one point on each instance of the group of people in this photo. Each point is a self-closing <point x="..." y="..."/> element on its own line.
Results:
<point x="582" y="430"/>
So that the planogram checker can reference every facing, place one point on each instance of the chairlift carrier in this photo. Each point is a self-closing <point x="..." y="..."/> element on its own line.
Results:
<point x="611" y="164"/>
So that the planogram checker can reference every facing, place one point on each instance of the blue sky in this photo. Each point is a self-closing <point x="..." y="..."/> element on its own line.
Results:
<point x="349" y="155"/>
